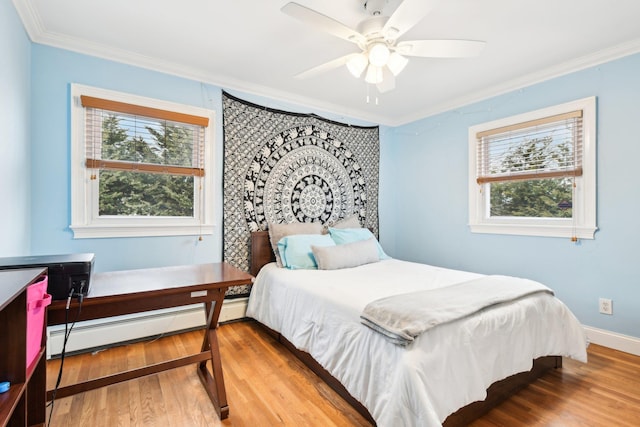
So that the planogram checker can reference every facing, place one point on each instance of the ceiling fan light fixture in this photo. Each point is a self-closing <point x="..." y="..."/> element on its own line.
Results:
<point x="396" y="63"/>
<point x="356" y="64"/>
<point x="374" y="75"/>
<point x="379" y="54"/>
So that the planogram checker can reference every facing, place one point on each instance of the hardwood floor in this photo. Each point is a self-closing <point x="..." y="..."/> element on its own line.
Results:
<point x="603" y="392"/>
<point x="267" y="386"/>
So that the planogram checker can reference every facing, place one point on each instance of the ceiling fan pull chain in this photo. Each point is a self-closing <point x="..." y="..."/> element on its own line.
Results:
<point x="368" y="96"/>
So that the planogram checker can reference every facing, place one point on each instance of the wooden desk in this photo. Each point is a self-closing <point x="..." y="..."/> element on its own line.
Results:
<point x="134" y="291"/>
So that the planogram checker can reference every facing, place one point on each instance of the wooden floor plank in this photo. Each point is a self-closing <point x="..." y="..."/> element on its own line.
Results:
<point x="268" y="386"/>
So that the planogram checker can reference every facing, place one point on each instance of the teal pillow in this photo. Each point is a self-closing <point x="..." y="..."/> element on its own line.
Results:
<point x="349" y="235"/>
<point x="295" y="250"/>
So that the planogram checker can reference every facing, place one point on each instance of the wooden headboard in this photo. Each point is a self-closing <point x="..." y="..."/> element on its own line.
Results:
<point x="261" y="251"/>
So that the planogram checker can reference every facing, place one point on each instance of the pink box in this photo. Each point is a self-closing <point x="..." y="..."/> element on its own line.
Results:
<point x="37" y="301"/>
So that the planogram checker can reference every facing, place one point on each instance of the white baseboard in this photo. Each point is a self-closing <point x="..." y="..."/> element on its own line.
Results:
<point x="105" y="332"/>
<point x="613" y="340"/>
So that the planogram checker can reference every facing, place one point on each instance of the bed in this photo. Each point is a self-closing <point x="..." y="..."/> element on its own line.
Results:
<point x="442" y="377"/>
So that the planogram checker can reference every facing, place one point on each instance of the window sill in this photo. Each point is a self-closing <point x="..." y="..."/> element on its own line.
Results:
<point x="549" y="230"/>
<point x="106" y="231"/>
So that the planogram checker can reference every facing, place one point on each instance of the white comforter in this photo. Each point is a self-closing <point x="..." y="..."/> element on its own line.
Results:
<point x="443" y="370"/>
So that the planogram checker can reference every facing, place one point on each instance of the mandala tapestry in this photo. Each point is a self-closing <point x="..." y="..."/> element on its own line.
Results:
<point x="282" y="167"/>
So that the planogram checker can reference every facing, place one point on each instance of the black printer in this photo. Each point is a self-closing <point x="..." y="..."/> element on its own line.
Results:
<point x="66" y="272"/>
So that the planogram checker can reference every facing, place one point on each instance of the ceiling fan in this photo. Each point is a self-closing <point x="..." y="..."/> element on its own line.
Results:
<point x="382" y="55"/>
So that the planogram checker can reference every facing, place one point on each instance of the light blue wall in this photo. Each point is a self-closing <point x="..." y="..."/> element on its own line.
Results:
<point x="427" y="164"/>
<point x="423" y="177"/>
<point x="14" y="134"/>
<point x="53" y="70"/>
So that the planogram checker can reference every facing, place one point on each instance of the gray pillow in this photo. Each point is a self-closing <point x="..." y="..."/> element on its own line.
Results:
<point x="348" y="222"/>
<point x="347" y="255"/>
<point x="278" y="231"/>
<point x="352" y="221"/>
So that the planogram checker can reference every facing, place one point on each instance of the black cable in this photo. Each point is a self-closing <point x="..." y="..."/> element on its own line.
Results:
<point x="67" y="333"/>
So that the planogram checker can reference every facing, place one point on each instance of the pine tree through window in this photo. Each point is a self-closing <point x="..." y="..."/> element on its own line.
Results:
<point x="144" y="165"/>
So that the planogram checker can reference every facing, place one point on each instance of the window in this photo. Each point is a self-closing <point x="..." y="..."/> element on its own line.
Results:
<point x="534" y="174"/>
<point x="140" y="167"/>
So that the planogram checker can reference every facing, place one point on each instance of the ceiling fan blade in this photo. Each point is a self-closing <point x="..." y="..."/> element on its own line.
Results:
<point x="322" y="22"/>
<point x="327" y="66"/>
<point x="406" y="15"/>
<point x="388" y="82"/>
<point x="441" y="48"/>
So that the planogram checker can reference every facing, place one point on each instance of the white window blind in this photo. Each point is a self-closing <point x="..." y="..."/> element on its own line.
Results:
<point x="549" y="147"/>
<point x="140" y="124"/>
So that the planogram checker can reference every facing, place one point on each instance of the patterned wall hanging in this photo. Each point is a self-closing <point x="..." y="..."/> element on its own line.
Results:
<point x="282" y="167"/>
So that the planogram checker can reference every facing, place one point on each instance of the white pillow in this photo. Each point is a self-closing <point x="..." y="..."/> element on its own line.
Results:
<point x="347" y="255"/>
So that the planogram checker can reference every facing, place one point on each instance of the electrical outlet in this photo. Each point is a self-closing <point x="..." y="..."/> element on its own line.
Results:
<point x="605" y="306"/>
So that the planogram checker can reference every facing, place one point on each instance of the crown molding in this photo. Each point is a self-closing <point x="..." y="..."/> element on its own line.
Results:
<point x="38" y="34"/>
<point x="30" y="19"/>
<point x="567" y="67"/>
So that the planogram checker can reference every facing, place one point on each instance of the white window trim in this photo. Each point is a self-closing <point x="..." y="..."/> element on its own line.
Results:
<point x="583" y="225"/>
<point x="83" y="222"/>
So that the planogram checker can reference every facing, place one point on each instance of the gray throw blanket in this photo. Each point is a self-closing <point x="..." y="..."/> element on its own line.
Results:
<point x="401" y="318"/>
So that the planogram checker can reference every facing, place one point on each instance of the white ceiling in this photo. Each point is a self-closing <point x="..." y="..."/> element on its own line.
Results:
<point x="251" y="46"/>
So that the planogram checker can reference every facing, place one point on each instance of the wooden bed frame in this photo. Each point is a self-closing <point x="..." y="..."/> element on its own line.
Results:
<point x="261" y="254"/>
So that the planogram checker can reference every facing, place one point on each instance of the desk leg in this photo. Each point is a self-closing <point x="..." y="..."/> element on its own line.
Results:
<point x="214" y="385"/>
